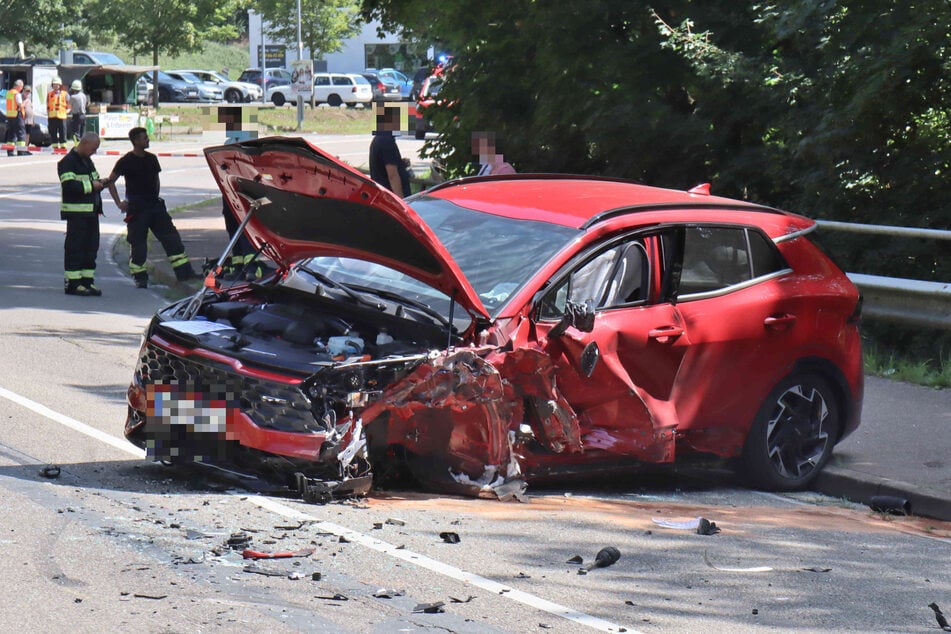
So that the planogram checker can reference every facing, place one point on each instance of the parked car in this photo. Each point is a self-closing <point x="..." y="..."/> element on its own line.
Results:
<point x="175" y="89"/>
<point x="498" y="329"/>
<point x="275" y="77"/>
<point x="208" y="92"/>
<point x="233" y="91"/>
<point x="39" y="135"/>
<point x="393" y="76"/>
<point x="382" y="90"/>
<point x="333" y="89"/>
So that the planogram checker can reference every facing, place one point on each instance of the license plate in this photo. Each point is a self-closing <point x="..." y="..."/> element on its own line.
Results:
<point x="170" y="405"/>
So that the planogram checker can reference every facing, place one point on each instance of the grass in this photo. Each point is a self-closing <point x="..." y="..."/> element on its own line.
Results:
<point x="927" y="372"/>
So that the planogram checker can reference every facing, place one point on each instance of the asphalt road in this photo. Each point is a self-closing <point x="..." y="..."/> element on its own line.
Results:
<point x="114" y="542"/>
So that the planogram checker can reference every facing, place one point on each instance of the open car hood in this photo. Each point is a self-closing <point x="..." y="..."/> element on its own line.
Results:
<point x="323" y="207"/>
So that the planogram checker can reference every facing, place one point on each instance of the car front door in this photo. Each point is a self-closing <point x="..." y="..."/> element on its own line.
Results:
<point x="619" y="376"/>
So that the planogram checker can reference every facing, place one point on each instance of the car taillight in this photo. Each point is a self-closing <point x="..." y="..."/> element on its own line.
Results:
<point x="353" y="89"/>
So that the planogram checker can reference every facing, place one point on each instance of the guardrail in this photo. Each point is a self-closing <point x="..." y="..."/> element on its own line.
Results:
<point x="912" y="302"/>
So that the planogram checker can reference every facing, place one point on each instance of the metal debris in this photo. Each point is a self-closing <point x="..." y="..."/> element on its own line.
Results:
<point x="336" y="597"/>
<point x="577" y="559"/>
<point x="466" y="600"/>
<point x="701" y="525"/>
<point x="430" y="608"/>
<point x="891" y="504"/>
<point x="395" y="522"/>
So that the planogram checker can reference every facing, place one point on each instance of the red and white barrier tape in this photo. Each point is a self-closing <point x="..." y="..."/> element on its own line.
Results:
<point x="51" y="150"/>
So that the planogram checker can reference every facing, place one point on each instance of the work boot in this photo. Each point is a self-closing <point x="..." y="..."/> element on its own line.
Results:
<point x="93" y="290"/>
<point x="82" y="291"/>
<point x="141" y="280"/>
<point x="185" y="272"/>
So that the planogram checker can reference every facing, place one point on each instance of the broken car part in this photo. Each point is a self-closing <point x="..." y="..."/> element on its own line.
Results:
<point x="890" y="504"/>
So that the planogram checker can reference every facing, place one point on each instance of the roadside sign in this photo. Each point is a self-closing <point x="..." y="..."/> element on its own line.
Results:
<point x="302" y="76"/>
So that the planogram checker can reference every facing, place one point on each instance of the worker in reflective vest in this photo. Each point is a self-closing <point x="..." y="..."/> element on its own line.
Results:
<point x="16" y="129"/>
<point x="57" y="110"/>
<point x="81" y="208"/>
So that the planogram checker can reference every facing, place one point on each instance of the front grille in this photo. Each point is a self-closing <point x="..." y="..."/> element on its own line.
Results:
<point x="269" y="404"/>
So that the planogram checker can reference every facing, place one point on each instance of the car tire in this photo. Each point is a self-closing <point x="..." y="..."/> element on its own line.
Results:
<point x="278" y="99"/>
<point x="334" y="101"/>
<point x="793" y="434"/>
<point x="232" y="96"/>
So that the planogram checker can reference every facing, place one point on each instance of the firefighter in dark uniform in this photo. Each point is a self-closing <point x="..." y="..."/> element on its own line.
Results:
<point x="81" y="208"/>
<point x="146" y="211"/>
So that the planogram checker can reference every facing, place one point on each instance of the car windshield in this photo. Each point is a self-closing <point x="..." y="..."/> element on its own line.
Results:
<point x="496" y="254"/>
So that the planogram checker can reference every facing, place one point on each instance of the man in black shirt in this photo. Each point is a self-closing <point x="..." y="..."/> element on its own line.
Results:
<point x="386" y="164"/>
<point x="145" y="211"/>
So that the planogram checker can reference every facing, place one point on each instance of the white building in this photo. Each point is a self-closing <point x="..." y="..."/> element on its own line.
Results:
<point x="365" y="50"/>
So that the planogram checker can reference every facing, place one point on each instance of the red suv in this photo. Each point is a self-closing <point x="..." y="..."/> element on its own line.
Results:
<point x="494" y="330"/>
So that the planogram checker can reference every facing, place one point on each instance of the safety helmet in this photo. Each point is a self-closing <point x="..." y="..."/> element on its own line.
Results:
<point x="57" y="81"/>
<point x="76" y="85"/>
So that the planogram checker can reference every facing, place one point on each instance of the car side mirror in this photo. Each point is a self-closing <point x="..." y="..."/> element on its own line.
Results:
<point x="579" y="315"/>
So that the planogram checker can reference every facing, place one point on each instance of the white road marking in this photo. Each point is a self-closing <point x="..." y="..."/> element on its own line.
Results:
<point x="444" y="569"/>
<point x="372" y="543"/>
<point x="72" y="423"/>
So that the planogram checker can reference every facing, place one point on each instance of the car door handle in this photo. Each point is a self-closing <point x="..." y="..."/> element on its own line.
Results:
<point x="780" y="322"/>
<point x="664" y="333"/>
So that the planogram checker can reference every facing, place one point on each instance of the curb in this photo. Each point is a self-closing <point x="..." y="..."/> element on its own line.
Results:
<point x="862" y="487"/>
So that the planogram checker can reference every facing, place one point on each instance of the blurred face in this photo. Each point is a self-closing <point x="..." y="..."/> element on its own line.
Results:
<point x="87" y="147"/>
<point x="141" y="141"/>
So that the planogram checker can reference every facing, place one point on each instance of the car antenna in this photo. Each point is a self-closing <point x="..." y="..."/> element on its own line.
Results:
<point x="211" y="280"/>
<point x="452" y="310"/>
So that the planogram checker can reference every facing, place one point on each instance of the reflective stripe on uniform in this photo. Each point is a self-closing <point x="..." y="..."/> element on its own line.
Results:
<point x="136" y="268"/>
<point x="80" y="207"/>
<point x="178" y="260"/>
<point x="74" y="275"/>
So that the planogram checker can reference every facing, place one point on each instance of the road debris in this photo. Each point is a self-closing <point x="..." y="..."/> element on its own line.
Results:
<point x="466" y="600"/>
<point x="155" y="597"/>
<point x="701" y="525"/>
<point x="315" y="576"/>
<point x="939" y="617"/>
<point x="607" y="556"/>
<point x="254" y="554"/>
<point x="239" y="541"/>
<point x="267" y="572"/>
<point x="50" y="471"/>
<point x="706" y="560"/>
<point x="449" y="537"/>
<point x="386" y="593"/>
<point x="891" y="504"/>
<point x="522" y="575"/>
<point x="577" y="559"/>
<point x="430" y="608"/>
<point x="336" y="597"/>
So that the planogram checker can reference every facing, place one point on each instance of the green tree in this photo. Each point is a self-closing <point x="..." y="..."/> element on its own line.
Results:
<point x="325" y="24"/>
<point x="38" y="23"/>
<point x="156" y="27"/>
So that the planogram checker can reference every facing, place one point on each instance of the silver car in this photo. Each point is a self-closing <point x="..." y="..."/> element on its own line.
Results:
<point x="234" y="91"/>
<point x="206" y="92"/>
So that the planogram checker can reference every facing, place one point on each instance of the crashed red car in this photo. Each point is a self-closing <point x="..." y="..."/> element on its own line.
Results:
<point x="493" y="330"/>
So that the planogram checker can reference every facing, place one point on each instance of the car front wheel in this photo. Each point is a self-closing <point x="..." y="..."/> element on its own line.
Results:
<point x="232" y="96"/>
<point x="793" y="434"/>
<point x="278" y="99"/>
<point x="334" y="100"/>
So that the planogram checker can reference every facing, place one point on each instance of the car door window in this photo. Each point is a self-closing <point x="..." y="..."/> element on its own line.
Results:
<point x="614" y="277"/>
<point x="715" y="258"/>
<point x="340" y="80"/>
<point x="322" y="80"/>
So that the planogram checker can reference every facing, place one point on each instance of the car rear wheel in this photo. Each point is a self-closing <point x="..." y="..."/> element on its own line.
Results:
<point x="232" y="96"/>
<point x="278" y="99"/>
<point x="793" y="434"/>
<point x="334" y="100"/>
